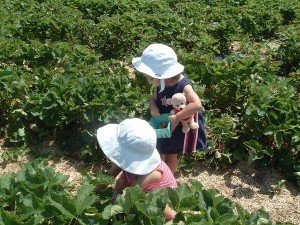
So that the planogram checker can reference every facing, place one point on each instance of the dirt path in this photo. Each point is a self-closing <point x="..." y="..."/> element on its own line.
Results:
<point x="250" y="186"/>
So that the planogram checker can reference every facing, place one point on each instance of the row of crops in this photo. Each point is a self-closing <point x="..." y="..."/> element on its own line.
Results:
<point x="65" y="71"/>
<point x="38" y="195"/>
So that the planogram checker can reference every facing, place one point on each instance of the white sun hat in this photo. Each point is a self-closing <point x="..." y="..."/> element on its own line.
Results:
<point x="131" y="145"/>
<point x="158" y="61"/>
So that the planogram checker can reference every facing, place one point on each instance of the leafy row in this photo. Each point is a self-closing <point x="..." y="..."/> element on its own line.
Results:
<point x="39" y="195"/>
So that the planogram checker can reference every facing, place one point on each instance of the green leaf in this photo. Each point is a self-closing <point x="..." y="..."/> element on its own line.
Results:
<point x="208" y="215"/>
<point x="202" y="204"/>
<point x="20" y="111"/>
<point x="111" y="210"/>
<point x="196" y="185"/>
<point x="269" y="130"/>
<point x="278" y="138"/>
<point x="129" y="197"/>
<point x="208" y="198"/>
<point x="7" y="181"/>
<point x="101" y="178"/>
<point x="151" y="211"/>
<point x="9" y="218"/>
<point x="227" y="219"/>
<point x="60" y="207"/>
<point x="21" y="132"/>
<point x="185" y="197"/>
<point x="225" y="207"/>
<point x="214" y="214"/>
<point x="84" y="198"/>
<point x="295" y="138"/>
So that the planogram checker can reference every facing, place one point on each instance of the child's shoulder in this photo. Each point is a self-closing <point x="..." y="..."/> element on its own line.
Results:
<point x="184" y="81"/>
<point x="155" y="175"/>
<point x="152" y="177"/>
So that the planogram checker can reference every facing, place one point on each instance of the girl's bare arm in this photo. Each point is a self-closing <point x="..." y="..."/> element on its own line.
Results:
<point x="154" y="176"/>
<point x="153" y="107"/>
<point x="120" y="185"/>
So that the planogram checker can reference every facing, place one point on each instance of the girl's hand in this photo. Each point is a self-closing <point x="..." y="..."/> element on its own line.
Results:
<point x="174" y="122"/>
<point x="169" y="213"/>
<point x="154" y="111"/>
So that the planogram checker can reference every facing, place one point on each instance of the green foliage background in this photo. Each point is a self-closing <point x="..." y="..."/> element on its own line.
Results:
<point x="64" y="71"/>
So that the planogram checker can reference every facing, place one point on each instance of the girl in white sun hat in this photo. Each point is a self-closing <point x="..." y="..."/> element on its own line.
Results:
<point x="131" y="146"/>
<point x="159" y="63"/>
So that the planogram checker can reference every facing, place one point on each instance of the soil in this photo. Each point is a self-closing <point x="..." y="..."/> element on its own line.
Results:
<point x="251" y="186"/>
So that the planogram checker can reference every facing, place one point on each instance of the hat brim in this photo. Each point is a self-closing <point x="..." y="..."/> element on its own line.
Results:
<point x="170" y="72"/>
<point x="126" y="159"/>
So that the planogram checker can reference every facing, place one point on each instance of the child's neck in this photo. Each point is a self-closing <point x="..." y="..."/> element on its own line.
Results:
<point x="172" y="81"/>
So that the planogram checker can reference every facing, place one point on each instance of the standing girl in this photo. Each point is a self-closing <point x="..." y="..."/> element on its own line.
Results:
<point x="159" y="63"/>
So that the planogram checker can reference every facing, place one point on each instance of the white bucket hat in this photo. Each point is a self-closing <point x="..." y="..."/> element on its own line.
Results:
<point x="158" y="61"/>
<point x="131" y="145"/>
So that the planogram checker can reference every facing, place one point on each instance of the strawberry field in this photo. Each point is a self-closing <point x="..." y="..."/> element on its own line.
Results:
<point x="65" y="70"/>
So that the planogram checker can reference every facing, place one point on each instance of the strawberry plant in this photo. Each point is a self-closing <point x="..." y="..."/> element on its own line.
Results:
<point x="259" y="21"/>
<point x="65" y="71"/>
<point x="273" y="129"/>
<point x="289" y="53"/>
<point x="38" y="195"/>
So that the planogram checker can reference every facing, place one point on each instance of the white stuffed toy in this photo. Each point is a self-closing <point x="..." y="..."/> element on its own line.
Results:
<point x="179" y="102"/>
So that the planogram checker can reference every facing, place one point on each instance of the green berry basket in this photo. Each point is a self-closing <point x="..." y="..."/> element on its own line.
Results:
<point x="162" y="125"/>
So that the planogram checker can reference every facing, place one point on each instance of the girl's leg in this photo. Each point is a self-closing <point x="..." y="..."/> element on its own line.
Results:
<point x="172" y="161"/>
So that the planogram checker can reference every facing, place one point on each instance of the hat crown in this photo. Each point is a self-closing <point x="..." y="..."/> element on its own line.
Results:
<point x="137" y="136"/>
<point x="159" y="57"/>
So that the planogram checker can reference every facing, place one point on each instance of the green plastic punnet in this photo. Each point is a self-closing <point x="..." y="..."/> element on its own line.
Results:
<point x="162" y="125"/>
